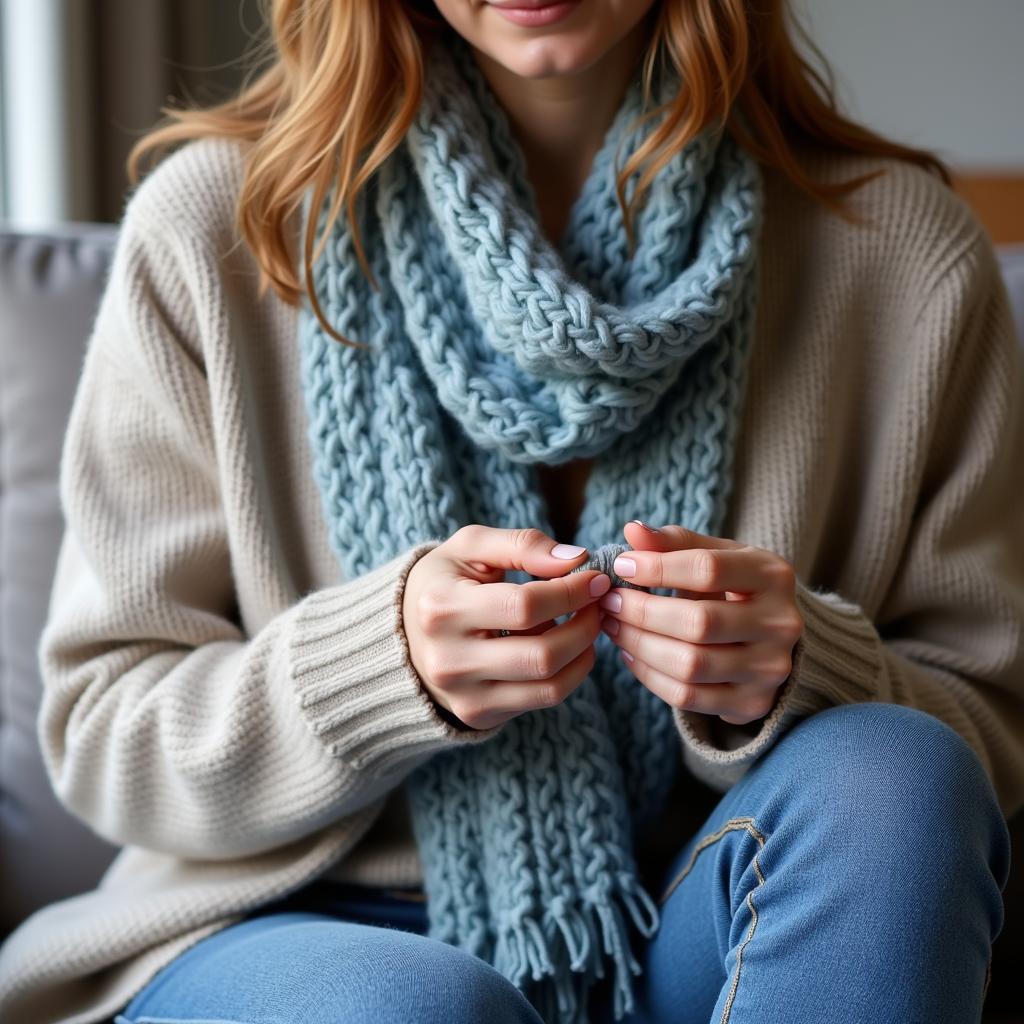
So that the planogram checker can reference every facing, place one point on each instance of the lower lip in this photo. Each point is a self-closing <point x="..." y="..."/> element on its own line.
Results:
<point x="536" y="17"/>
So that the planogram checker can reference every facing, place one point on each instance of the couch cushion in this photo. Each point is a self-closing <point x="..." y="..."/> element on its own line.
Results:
<point x="49" y="290"/>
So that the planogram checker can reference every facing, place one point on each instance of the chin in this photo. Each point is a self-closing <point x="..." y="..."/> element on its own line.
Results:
<point x="554" y="56"/>
<point x="585" y="32"/>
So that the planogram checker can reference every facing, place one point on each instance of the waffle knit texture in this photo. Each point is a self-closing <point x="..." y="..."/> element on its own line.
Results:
<point x="221" y="703"/>
<point x="492" y="352"/>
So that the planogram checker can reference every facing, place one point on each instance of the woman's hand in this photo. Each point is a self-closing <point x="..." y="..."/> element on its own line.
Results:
<point x="723" y="643"/>
<point x="456" y="601"/>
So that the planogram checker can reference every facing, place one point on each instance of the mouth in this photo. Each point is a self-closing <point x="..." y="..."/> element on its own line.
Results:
<point x="534" y="13"/>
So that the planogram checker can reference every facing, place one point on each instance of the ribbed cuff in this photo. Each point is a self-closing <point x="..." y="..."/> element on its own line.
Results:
<point x="837" y="660"/>
<point x="356" y="683"/>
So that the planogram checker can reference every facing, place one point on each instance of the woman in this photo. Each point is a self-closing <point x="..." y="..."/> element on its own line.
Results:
<point x="442" y="290"/>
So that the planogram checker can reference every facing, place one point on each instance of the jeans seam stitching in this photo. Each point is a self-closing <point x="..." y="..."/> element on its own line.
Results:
<point x="732" y="825"/>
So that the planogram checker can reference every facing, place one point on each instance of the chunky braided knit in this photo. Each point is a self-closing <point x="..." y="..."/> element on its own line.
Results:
<point x="492" y="351"/>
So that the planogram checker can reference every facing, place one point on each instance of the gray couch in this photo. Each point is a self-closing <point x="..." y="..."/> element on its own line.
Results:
<point x="49" y="288"/>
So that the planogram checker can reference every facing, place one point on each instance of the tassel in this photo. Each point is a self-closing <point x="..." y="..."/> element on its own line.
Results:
<point x="643" y="911"/>
<point x="574" y="932"/>
<point x="530" y="955"/>
<point x="537" y="950"/>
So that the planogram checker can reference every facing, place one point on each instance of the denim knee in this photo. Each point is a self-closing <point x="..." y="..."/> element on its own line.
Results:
<point x="900" y="768"/>
<point x="411" y="977"/>
<point x="307" y="966"/>
<point x="854" y="873"/>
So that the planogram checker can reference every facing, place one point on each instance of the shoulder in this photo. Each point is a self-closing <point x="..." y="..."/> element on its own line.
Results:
<point x="915" y="235"/>
<point x="191" y="196"/>
<point x="888" y="310"/>
<point x="181" y="268"/>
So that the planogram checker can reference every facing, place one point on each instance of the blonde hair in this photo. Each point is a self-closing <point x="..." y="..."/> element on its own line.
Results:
<point x="345" y="78"/>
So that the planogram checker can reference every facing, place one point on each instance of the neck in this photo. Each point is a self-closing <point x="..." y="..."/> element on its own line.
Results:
<point x="560" y="122"/>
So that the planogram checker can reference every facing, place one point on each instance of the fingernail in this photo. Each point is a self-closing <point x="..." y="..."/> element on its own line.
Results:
<point x="599" y="584"/>
<point x="567" y="551"/>
<point x="629" y="657"/>
<point x="624" y="567"/>
<point x="610" y="626"/>
<point x="613" y="602"/>
<point x="649" y="529"/>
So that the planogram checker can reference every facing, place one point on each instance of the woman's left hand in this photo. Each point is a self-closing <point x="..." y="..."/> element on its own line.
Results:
<point x="723" y="643"/>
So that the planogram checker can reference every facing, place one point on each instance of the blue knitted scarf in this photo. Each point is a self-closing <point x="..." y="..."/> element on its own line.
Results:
<point x="492" y="350"/>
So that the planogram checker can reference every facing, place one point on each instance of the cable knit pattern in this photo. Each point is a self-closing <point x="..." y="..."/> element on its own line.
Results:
<point x="204" y="653"/>
<point x="531" y="364"/>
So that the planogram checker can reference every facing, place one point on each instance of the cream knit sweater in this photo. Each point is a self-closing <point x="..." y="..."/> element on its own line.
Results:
<point x="219" y="701"/>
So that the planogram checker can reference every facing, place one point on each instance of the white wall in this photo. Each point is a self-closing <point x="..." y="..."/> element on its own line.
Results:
<point x="45" y="90"/>
<point x="945" y="74"/>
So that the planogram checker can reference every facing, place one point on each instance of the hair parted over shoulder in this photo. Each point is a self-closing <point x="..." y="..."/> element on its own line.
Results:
<point x="343" y="80"/>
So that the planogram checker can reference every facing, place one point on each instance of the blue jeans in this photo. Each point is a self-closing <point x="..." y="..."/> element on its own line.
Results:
<point x="853" y="874"/>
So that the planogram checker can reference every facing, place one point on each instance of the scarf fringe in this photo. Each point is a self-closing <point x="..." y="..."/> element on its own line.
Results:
<point x="555" y="962"/>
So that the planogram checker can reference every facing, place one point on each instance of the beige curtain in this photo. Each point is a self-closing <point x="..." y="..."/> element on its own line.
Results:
<point x="143" y="53"/>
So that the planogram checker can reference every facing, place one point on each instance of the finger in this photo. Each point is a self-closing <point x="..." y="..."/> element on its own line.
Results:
<point x="521" y="606"/>
<point x="703" y="621"/>
<point x="530" y="549"/>
<point x="700" y="621"/>
<point x="459" y="666"/>
<point x="704" y="663"/>
<point x="641" y="538"/>
<point x="675" y="538"/>
<point x="495" y="701"/>
<point x="703" y="570"/>
<point x="740" y="703"/>
<point x="533" y="658"/>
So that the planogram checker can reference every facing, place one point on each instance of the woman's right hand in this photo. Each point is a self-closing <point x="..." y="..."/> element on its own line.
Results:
<point x="455" y="601"/>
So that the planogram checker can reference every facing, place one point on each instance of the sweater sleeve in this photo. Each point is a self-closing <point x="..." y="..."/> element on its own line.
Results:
<point x="161" y="723"/>
<point x="948" y="636"/>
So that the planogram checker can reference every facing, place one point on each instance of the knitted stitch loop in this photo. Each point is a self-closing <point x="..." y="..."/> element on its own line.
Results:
<point x="491" y="351"/>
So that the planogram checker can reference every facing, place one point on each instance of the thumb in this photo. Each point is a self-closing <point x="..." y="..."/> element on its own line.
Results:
<point x="530" y="550"/>
<point x="672" y="538"/>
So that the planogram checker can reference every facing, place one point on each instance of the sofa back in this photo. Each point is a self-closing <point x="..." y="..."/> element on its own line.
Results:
<point x="49" y="290"/>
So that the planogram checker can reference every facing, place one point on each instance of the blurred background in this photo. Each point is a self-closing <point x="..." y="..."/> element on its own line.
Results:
<point x="82" y="79"/>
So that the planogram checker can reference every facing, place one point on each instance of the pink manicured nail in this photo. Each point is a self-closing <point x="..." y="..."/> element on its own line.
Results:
<point x="599" y="584"/>
<point x="625" y="567"/>
<point x="649" y="529"/>
<point x="567" y="551"/>
<point x="610" y="625"/>
<point x="613" y="602"/>
<point x="629" y="657"/>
